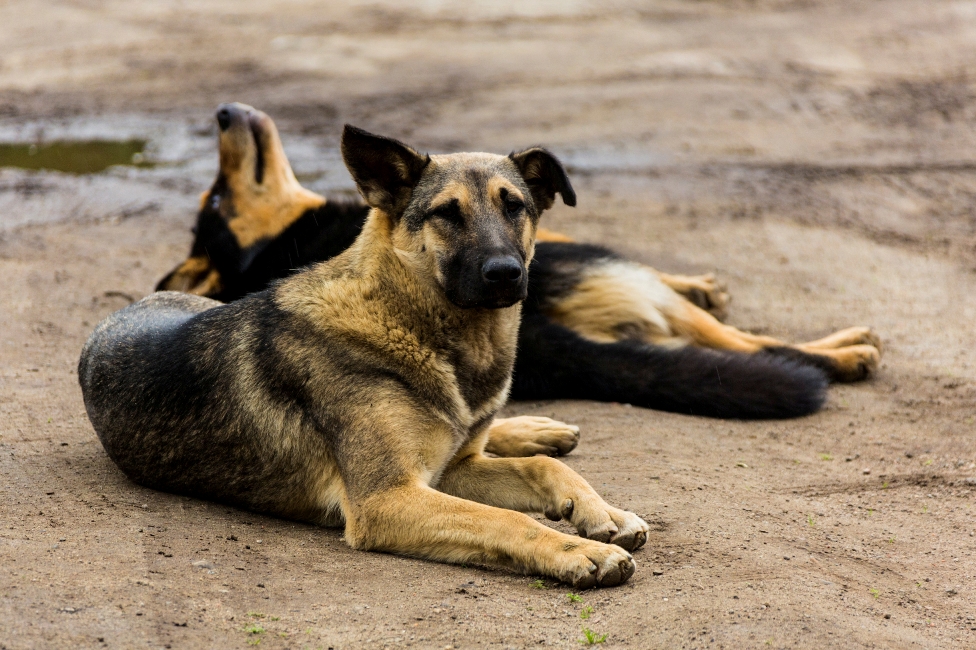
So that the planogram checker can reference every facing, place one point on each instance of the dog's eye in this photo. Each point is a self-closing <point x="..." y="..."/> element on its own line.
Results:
<point x="512" y="204"/>
<point x="450" y="212"/>
<point x="513" y="207"/>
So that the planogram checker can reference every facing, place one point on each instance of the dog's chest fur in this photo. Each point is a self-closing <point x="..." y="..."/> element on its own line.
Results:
<point x="456" y="362"/>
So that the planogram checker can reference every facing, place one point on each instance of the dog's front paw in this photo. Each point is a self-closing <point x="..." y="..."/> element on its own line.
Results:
<point x="708" y="293"/>
<point x="592" y="564"/>
<point x="600" y="522"/>
<point x="631" y="530"/>
<point x="529" y="435"/>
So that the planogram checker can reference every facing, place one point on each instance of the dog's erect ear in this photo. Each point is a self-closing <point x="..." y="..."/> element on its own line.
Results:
<point x="385" y="170"/>
<point x="545" y="176"/>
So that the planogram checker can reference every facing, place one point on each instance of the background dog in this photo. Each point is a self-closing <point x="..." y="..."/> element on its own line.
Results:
<point x="360" y="392"/>
<point x="595" y="325"/>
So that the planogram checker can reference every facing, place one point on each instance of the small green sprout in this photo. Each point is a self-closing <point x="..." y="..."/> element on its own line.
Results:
<point x="591" y="637"/>
<point x="538" y="584"/>
<point x="586" y="612"/>
<point x="826" y="457"/>
<point x="574" y="598"/>
<point x="874" y="592"/>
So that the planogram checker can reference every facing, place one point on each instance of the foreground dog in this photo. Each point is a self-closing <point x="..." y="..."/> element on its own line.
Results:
<point x="595" y="325"/>
<point x="360" y="392"/>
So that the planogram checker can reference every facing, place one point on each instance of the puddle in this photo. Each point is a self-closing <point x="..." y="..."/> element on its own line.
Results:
<point x="74" y="156"/>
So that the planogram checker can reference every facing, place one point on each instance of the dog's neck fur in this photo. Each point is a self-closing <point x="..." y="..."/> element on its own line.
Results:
<point x="377" y="291"/>
<point x="378" y="257"/>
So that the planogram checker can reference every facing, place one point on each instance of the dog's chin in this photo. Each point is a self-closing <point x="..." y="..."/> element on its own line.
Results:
<point x="486" y="301"/>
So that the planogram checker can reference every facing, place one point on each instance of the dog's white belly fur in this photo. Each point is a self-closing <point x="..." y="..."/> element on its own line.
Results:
<point x="619" y="299"/>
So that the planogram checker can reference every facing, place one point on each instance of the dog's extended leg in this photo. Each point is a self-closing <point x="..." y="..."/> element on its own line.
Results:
<point x="846" y="363"/>
<point x="701" y="290"/>
<point x="845" y="338"/>
<point x="528" y="436"/>
<point x="543" y="485"/>
<point x="414" y="519"/>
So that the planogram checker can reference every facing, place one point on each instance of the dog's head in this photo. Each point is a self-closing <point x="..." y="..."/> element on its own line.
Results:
<point x="468" y="220"/>
<point x="255" y="197"/>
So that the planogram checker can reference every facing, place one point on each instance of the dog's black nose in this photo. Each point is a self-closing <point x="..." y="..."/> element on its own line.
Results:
<point x="502" y="270"/>
<point x="223" y="118"/>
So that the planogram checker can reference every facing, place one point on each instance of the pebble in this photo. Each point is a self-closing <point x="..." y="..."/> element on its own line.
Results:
<point x="202" y="564"/>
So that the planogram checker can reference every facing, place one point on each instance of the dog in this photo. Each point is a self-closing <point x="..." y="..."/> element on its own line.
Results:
<point x="595" y="325"/>
<point x="360" y="392"/>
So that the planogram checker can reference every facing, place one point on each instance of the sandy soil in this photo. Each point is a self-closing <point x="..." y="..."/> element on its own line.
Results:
<point x="818" y="155"/>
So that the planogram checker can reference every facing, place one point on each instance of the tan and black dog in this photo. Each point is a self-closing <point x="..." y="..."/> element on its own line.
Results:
<point x="360" y="392"/>
<point x="595" y="325"/>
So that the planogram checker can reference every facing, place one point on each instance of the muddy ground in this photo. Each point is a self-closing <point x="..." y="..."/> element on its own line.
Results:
<point x="818" y="155"/>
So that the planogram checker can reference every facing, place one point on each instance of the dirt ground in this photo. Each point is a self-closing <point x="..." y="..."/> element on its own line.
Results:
<point x="817" y="155"/>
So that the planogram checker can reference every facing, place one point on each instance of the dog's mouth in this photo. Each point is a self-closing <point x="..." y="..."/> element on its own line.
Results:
<point x="256" y="125"/>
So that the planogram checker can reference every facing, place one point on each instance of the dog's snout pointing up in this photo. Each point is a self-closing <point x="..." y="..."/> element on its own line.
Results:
<point x="223" y="118"/>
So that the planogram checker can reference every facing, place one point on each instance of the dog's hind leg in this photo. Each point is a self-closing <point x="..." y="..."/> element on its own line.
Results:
<point x="528" y="436"/>
<point x="850" y="362"/>
<point x="845" y="338"/>
<point x="543" y="485"/>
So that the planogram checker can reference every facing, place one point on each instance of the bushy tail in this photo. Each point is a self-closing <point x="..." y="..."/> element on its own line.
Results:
<point x="556" y="363"/>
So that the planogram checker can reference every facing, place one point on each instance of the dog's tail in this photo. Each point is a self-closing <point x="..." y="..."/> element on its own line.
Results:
<point x="554" y="362"/>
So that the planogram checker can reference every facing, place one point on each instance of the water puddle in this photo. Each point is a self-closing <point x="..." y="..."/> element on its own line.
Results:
<point x="74" y="156"/>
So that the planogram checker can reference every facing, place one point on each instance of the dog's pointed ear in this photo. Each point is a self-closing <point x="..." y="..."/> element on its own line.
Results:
<point x="385" y="170"/>
<point x="545" y="176"/>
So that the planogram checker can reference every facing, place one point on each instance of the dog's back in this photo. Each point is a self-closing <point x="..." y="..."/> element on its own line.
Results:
<point x="178" y="400"/>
